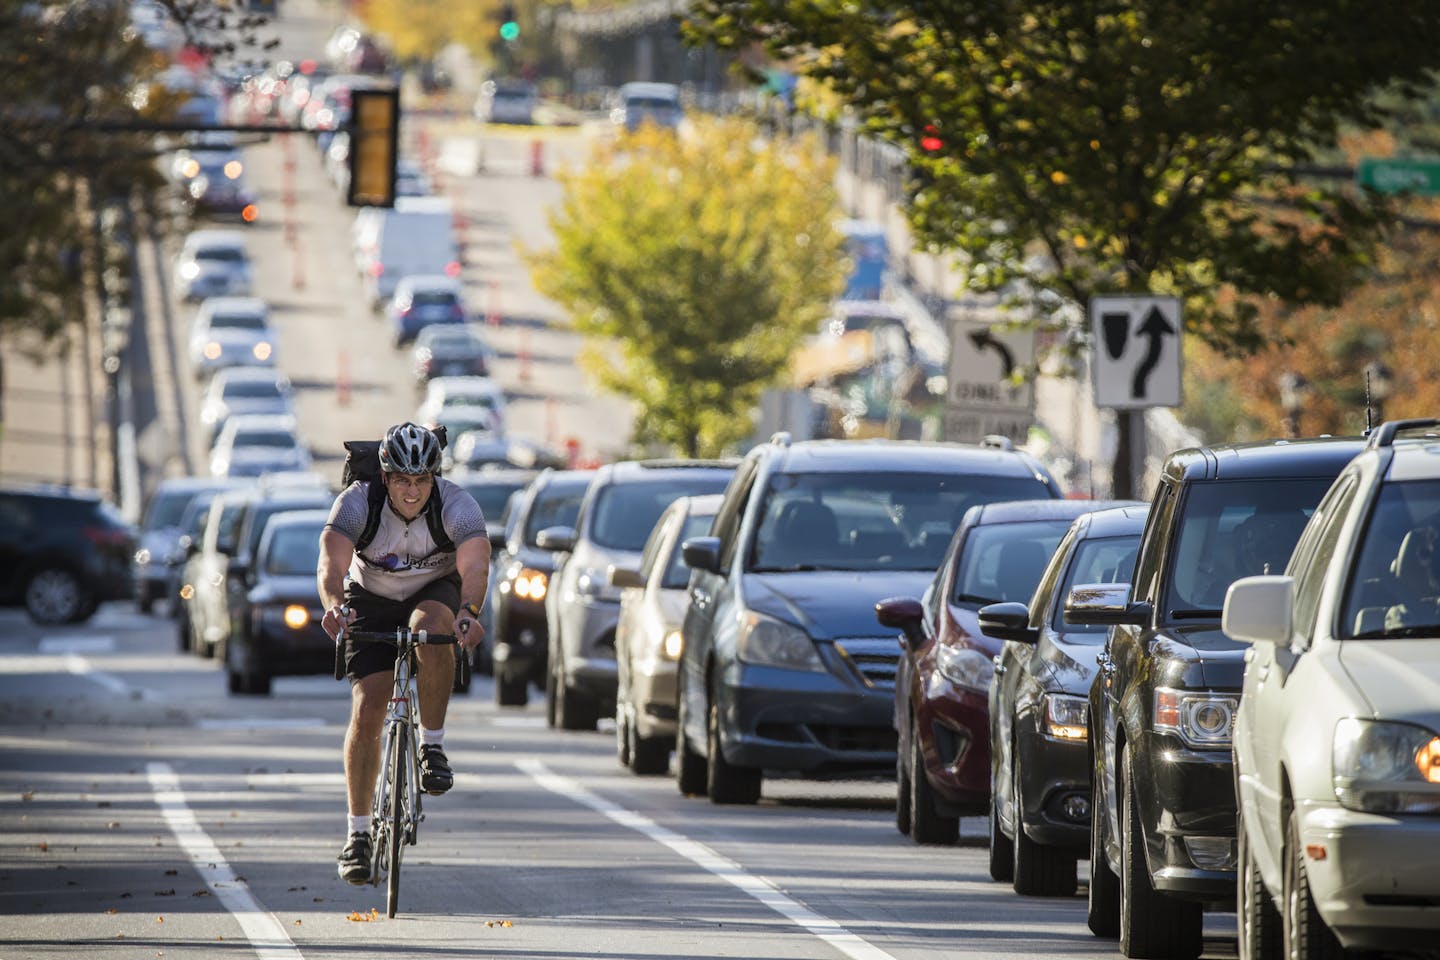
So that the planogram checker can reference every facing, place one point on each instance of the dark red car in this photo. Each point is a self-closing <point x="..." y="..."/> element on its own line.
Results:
<point x="942" y="686"/>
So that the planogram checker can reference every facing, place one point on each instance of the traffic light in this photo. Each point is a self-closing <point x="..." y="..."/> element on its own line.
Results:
<point x="509" y="26"/>
<point x="374" y="145"/>
<point x="930" y="140"/>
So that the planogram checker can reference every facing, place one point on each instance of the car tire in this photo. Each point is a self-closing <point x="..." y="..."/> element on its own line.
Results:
<point x="622" y="735"/>
<point x="510" y="690"/>
<point x="551" y="694"/>
<point x="1262" y="930"/>
<point x="56" y="595"/>
<point x="689" y="765"/>
<point x="902" y="793"/>
<point x="725" y="782"/>
<point x="1306" y="935"/>
<point x="145" y="604"/>
<point x="574" y="709"/>
<point x="184" y="638"/>
<point x="649" y="756"/>
<point x="1040" y="870"/>
<point x="1102" y="913"/>
<point x="1153" y="926"/>
<point x="1002" y="857"/>
<point x="927" y="824"/>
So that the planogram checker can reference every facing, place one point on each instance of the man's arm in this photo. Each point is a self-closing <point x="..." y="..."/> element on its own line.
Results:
<point x="472" y="561"/>
<point x="336" y="552"/>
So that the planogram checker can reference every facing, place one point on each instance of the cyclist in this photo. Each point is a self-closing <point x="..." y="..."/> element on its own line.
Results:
<point x="395" y="575"/>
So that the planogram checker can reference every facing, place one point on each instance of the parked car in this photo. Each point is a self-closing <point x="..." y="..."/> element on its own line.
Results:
<point x="213" y="263"/>
<point x="1162" y="846"/>
<point x="231" y="332"/>
<point x="449" y="350"/>
<point x="192" y="535"/>
<point x="1039" y="706"/>
<point x="424" y="300"/>
<point x="63" y="552"/>
<point x="252" y="444"/>
<point x="648" y="637"/>
<point x="506" y="101"/>
<point x="1337" y="738"/>
<point x="244" y="390"/>
<point x="643" y="102"/>
<point x="581" y="609"/>
<point x="942" y="685"/>
<point x="277" y="631"/>
<point x="784" y="667"/>
<point x="462" y="403"/>
<point x="203" y="621"/>
<point x="520" y="639"/>
<point x="159" y="549"/>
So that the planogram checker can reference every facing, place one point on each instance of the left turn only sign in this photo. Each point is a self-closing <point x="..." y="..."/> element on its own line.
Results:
<point x="1136" y="361"/>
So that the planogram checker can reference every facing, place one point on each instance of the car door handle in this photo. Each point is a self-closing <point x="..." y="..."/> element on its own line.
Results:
<point x="999" y="665"/>
<point x="1106" y="665"/>
<point x="1262" y="671"/>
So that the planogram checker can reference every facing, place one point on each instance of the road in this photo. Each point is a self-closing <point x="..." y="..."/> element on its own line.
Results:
<point x="144" y="813"/>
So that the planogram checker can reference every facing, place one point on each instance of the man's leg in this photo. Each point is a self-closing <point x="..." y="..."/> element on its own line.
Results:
<point x="369" y="698"/>
<point x="436" y="680"/>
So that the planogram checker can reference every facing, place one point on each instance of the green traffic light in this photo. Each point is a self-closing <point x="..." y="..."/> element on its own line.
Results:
<point x="509" y="30"/>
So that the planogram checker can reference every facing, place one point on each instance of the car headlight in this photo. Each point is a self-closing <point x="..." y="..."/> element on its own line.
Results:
<point x="775" y="644"/>
<point x="211" y="350"/>
<point x="1386" y="767"/>
<point x="296" y="616"/>
<point x="1203" y="720"/>
<point x="190" y="270"/>
<point x="531" y="584"/>
<point x="142" y="557"/>
<point x="673" y="645"/>
<point x="595" y="585"/>
<point x="965" y="666"/>
<point x="1066" y="716"/>
<point x="262" y="351"/>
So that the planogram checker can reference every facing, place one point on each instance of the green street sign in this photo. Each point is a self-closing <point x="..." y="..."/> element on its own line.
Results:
<point x="1416" y="175"/>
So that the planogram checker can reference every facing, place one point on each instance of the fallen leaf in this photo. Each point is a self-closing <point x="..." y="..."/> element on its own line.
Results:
<point x="506" y="923"/>
<point x="165" y="893"/>
<point x="172" y="873"/>
<point x="317" y="899"/>
<point x="124" y="896"/>
<point x="27" y="796"/>
<point x="103" y="803"/>
<point x="113" y="910"/>
<point x="201" y="893"/>
<point x="159" y="919"/>
<point x="293" y="889"/>
<point x="44" y="846"/>
<point x="297" y="923"/>
<point x="113" y="825"/>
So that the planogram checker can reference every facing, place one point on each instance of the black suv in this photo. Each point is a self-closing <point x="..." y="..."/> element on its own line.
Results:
<point x="783" y="665"/>
<point x="62" y="553"/>
<point x="1162" y="835"/>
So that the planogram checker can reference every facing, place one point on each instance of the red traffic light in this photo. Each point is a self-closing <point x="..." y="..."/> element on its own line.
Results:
<point x="930" y="140"/>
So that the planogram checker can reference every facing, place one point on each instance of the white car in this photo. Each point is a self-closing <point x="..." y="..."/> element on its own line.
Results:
<point x="258" y="443"/>
<point x="244" y="390"/>
<point x="456" y="400"/>
<point x="1337" y="738"/>
<point x="231" y="332"/>
<point x="213" y="263"/>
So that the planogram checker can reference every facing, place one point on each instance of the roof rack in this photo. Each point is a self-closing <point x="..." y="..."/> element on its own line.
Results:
<point x="1384" y="435"/>
<point x="780" y="438"/>
<point x="996" y="441"/>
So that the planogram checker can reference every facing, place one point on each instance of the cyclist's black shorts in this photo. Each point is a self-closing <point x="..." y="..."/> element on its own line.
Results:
<point x="374" y="612"/>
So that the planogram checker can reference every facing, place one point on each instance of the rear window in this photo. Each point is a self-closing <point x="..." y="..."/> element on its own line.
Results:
<point x="433" y="298"/>
<point x="554" y="506"/>
<point x="253" y="390"/>
<point x="677" y="574"/>
<point x="166" y="508"/>
<point x="237" y="321"/>
<point x="1004" y="561"/>
<point x="294" y="551"/>
<point x="221" y="254"/>
<point x="265" y="438"/>
<point x="625" y="513"/>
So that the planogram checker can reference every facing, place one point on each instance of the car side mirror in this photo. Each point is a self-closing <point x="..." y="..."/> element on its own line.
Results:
<point x="904" y="614"/>
<point x="702" y="553"/>
<point x="1105" y="604"/>
<point x="558" y="539"/>
<point x="624" y="576"/>
<point x="238" y="570"/>
<point x="1008" y="621"/>
<point x="1260" y="610"/>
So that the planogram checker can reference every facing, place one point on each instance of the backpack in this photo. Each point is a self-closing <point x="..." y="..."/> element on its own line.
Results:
<point x="362" y="463"/>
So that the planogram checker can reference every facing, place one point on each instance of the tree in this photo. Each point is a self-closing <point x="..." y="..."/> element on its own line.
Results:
<point x="1121" y="145"/>
<point x="698" y="263"/>
<point x="420" y="29"/>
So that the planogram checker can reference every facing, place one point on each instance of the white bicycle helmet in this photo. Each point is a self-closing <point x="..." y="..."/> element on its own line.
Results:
<point x="411" y="449"/>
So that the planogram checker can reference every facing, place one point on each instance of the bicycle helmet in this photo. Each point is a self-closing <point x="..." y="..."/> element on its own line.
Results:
<point x="411" y="449"/>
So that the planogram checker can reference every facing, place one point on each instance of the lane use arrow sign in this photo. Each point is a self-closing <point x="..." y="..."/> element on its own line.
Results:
<point x="1137" y="357"/>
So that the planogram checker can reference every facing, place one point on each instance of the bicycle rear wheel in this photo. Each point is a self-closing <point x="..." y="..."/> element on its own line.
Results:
<point x="395" y="815"/>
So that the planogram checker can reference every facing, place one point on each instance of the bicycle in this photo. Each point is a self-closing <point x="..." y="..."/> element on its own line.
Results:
<point x="395" y="809"/>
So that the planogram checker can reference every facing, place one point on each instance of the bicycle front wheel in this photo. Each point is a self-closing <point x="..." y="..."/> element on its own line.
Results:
<point x="395" y="817"/>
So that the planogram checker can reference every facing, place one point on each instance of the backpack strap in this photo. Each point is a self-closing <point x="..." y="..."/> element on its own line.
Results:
<point x="374" y="504"/>
<point x="436" y="521"/>
<point x="434" y="518"/>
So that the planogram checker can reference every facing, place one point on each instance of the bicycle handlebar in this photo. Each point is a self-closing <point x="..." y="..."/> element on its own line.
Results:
<point x="390" y="636"/>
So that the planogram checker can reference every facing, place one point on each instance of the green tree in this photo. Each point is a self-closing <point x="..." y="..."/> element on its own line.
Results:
<point x="1078" y="148"/>
<point x="694" y="265"/>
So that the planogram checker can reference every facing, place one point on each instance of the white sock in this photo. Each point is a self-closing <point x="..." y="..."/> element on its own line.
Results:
<point x="359" y="824"/>
<point x="436" y="737"/>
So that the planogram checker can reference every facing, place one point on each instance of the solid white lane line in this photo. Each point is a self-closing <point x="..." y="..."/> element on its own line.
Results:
<point x="62" y="644"/>
<point x="702" y="856"/>
<point x="80" y="667"/>
<point x="260" y="927"/>
<point x="259" y="723"/>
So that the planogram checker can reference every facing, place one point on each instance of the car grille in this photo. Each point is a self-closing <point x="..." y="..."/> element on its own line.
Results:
<point x="874" y="659"/>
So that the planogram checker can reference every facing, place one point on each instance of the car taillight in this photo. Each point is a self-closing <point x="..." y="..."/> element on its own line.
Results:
<point x="376" y="269"/>
<point x="106" y="536"/>
<point x="452" y="269"/>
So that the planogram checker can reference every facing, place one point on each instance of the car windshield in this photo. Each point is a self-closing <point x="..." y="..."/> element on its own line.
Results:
<point x="1102" y="560"/>
<point x="166" y="508"/>
<point x="450" y="349"/>
<point x="554" y="506"/>
<point x="221" y="255"/>
<point x="265" y="438"/>
<point x="625" y="513"/>
<point x="237" y="321"/>
<point x="432" y="298"/>
<point x="484" y="400"/>
<point x="1394" y="589"/>
<point x="1231" y="529"/>
<point x="871" y="521"/>
<point x="293" y="551"/>
<point x="253" y="390"/>
<point x="677" y="573"/>
<point x="1004" y="561"/>
<point x="493" y="497"/>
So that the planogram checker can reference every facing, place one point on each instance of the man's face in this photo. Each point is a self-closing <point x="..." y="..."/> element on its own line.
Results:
<point x="409" y="493"/>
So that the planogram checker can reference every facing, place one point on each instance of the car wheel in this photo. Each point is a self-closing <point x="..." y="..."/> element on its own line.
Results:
<point x="510" y="690"/>
<point x="551" y="693"/>
<point x="1152" y="925"/>
<point x="927" y="825"/>
<point x="1040" y="870"/>
<point x="689" y="765"/>
<point x="649" y="756"/>
<point x="1262" y="933"/>
<point x="183" y="638"/>
<point x="724" y="782"/>
<point x="902" y="793"/>
<point x="1002" y="857"/>
<point x="1307" y="937"/>
<point x="1102" y="912"/>
<point x="622" y="735"/>
<point x="56" y="595"/>
<point x="145" y="604"/>
<point x="574" y="709"/>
